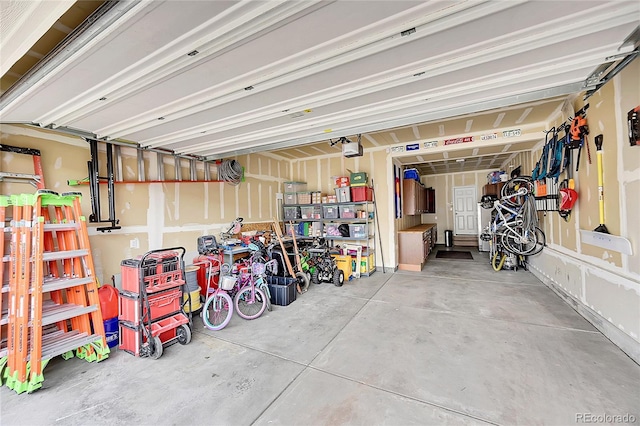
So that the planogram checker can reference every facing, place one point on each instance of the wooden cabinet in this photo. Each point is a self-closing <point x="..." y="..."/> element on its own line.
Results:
<point x="417" y="199"/>
<point x="415" y="245"/>
<point x="431" y="200"/>
<point x="492" y="189"/>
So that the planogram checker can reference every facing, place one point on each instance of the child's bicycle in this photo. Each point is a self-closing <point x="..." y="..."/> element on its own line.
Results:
<point x="218" y="307"/>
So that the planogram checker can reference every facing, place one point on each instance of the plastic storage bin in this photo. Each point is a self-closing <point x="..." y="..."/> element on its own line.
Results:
<point x="282" y="290"/>
<point x="348" y="211"/>
<point x="161" y="304"/>
<point x="304" y="198"/>
<point x="359" y="179"/>
<point x="295" y="186"/>
<point x="343" y="195"/>
<point x="330" y="212"/>
<point x="292" y="212"/>
<point x="331" y="230"/>
<point x="311" y="212"/>
<point x="361" y="193"/>
<point x="412" y="174"/>
<point x="342" y="181"/>
<point x="290" y="198"/>
<point x="357" y="231"/>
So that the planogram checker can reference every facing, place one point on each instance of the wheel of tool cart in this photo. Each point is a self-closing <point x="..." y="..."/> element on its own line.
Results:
<point x="183" y="332"/>
<point x="157" y="348"/>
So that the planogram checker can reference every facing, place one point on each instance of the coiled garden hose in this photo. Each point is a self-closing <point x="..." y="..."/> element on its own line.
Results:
<point x="231" y="171"/>
<point x="493" y="261"/>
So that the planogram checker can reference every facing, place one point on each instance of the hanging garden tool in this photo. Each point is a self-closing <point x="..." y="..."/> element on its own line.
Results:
<point x="601" y="228"/>
<point x="579" y="131"/>
<point x="567" y="192"/>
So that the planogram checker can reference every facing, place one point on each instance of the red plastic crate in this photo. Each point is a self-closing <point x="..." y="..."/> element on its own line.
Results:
<point x="162" y="304"/>
<point x="132" y="337"/>
<point x="155" y="264"/>
<point x="361" y="193"/>
<point x="164" y="281"/>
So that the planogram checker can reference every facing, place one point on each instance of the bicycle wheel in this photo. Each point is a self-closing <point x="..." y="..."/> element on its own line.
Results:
<point x="217" y="311"/>
<point x="541" y="241"/>
<point x="517" y="241"/>
<point x="249" y="304"/>
<point x="265" y="289"/>
<point x="512" y="187"/>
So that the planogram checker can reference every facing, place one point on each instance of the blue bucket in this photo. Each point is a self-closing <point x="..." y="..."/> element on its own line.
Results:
<point x="111" y="331"/>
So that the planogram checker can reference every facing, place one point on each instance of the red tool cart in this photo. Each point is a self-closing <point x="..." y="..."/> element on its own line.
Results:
<point x="151" y="313"/>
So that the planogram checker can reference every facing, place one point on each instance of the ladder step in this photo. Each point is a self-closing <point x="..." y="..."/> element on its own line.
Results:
<point x="52" y="284"/>
<point x="61" y="226"/>
<point x="5" y="288"/>
<point x="5" y="317"/>
<point x="59" y="255"/>
<point x="52" y="312"/>
<point x="57" y="343"/>
<point x="67" y="344"/>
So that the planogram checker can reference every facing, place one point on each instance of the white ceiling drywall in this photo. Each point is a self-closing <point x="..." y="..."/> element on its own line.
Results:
<point x="275" y="74"/>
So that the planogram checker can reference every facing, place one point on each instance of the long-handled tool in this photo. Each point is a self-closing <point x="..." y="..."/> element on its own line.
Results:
<point x="278" y="231"/>
<point x="375" y="212"/>
<point x="601" y="228"/>
<point x="300" y="275"/>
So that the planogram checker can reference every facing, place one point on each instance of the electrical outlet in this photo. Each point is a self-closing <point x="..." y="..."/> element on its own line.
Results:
<point x="134" y="244"/>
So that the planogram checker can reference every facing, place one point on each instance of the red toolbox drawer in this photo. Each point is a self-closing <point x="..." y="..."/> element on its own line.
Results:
<point x="165" y="264"/>
<point x="161" y="304"/>
<point x="132" y="337"/>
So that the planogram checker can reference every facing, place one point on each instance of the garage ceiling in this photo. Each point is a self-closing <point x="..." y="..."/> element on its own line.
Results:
<point x="219" y="78"/>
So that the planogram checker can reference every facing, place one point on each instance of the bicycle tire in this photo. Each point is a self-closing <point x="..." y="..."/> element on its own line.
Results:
<point x="265" y="289"/>
<point x="514" y="241"/>
<point x="509" y="188"/>
<point x="246" y="308"/>
<point x="217" y="313"/>
<point x="541" y="242"/>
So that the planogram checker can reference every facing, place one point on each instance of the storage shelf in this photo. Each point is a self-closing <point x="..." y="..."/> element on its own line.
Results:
<point x="329" y="204"/>
<point x="331" y="237"/>
<point x="357" y="220"/>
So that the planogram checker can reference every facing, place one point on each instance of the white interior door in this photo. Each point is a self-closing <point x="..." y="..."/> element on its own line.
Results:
<point x="465" y="210"/>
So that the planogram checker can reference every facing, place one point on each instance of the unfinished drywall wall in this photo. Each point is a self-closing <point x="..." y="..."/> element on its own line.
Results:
<point x="602" y="284"/>
<point x="152" y="215"/>
<point x="320" y="172"/>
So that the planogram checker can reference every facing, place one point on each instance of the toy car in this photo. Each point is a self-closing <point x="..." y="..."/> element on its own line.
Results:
<point x="323" y="266"/>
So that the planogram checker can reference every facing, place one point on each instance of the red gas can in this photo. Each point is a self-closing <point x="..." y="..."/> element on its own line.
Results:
<point x="108" y="295"/>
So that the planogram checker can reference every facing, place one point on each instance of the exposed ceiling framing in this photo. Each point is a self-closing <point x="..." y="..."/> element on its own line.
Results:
<point x="219" y="78"/>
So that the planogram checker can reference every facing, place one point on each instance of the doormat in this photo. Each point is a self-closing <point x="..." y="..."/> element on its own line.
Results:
<point x="456" y="255"/>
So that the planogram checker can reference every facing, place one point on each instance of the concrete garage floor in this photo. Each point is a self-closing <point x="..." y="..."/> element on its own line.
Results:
<point x="456" y="343"/>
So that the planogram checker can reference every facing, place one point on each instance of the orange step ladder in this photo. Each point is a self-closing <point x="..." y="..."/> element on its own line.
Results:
<point x="70" y="320"/>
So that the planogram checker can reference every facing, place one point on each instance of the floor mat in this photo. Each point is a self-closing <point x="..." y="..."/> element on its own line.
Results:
<point x="453" y="254"/>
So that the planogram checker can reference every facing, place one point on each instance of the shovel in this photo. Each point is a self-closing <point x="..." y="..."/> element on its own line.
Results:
<point x="601" y="228"/>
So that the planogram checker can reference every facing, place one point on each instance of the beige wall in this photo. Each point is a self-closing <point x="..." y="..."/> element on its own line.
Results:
<point x="603" y="284"/>
<point x="152" y="215"/>
<point x="444" y="184"/>
<point x="320" y="173"/>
